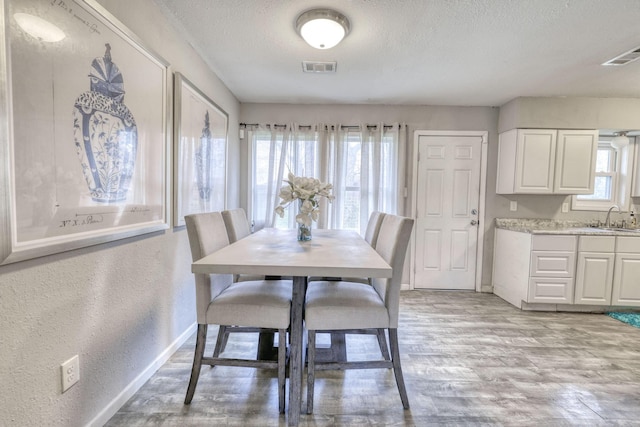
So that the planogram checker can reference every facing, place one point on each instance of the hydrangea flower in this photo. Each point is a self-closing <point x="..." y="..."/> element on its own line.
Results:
<point x="307" y="190"/>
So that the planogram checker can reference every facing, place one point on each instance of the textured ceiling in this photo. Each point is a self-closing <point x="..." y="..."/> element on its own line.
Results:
<point x="418" y="52"/>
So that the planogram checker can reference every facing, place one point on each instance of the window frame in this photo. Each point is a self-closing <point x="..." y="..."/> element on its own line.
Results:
<point x="621" y="182"/>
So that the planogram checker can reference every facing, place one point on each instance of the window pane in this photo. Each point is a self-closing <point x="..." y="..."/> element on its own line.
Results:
<point x="604" y="160"/>
<point x="602" y="189"/>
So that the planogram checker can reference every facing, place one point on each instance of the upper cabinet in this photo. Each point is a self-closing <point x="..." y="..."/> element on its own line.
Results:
<point x="546" y="161"/>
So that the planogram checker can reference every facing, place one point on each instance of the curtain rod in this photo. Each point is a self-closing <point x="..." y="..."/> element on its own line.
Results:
<point x="244" y="125"/>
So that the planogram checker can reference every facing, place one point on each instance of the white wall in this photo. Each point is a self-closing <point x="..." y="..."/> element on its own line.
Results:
<point x="416" y="118"/>
<point x="570" y="113"/>
<point x="119" y="306"/>
<point x="536" y="112"/>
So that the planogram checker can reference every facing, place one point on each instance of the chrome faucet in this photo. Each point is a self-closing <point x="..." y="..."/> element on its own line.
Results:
<point x="607" y="222"/>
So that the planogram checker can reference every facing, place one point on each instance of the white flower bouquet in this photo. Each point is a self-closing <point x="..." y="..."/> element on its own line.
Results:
<point x="307" y="191"/>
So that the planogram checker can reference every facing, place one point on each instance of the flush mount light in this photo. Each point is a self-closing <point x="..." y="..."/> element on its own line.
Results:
<point x="621" y="140"/>
<point x="322" y="28"/>
<point x="39" y="28"/>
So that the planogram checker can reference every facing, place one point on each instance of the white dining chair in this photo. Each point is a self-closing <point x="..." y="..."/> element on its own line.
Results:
<point x="238" y="227"/>
<point x="248" y="306"/>
<point x="354" y="307"/>
<point x="236" y="223"/>
<point x="373" y="227"/>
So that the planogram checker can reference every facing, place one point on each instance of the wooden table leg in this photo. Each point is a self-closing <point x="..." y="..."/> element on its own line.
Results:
<point x="296" y="353"/>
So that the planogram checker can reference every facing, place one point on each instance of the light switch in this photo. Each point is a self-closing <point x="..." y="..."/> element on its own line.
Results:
<point x="513" y="205"/>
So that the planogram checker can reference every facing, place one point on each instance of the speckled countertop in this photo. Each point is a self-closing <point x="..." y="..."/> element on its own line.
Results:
<point x="551" y="226"/>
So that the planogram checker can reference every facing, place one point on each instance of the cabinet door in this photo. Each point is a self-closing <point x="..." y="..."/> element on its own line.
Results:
<point x="575" y="166"/>
<point x="554" y="290"/>
<point x="594" y="278"/>
<point x="626" y="280"/>
<point x="535" y="161"/>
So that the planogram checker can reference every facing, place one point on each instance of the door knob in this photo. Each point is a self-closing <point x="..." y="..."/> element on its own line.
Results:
<point x="474" y="211"/>
<point x="474" y="222"/>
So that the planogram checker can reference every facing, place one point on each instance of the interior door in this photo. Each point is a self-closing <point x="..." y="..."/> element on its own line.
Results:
<point x="447" y="211"/>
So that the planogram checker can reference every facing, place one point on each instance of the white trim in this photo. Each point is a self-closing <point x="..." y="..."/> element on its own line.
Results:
<point x="622" y="183"/>
<point x="482" y="196"/>
<point x="112" y="408"/>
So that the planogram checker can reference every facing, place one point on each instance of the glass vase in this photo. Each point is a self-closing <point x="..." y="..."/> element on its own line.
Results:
<point x="304" y="232"/>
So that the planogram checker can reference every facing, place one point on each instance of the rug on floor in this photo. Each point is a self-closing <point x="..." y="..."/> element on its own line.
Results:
<point x="631" y="318"/>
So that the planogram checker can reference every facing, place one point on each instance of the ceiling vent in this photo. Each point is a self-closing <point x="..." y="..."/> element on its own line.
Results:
<point x="625" y="58"/>
<point x="319" y="67"/>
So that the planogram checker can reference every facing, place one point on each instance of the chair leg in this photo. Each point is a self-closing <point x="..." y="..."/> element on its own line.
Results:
<point x="311" y="360"/>
<point x="382" y="342"/>
<point x="221" y="341"/>
<point x="282" y="361"/>
<point x="397" y="369"/>
<point x="201" y="340"/>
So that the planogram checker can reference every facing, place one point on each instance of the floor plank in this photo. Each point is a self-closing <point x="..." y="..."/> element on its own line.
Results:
<point x="468" y="359"/>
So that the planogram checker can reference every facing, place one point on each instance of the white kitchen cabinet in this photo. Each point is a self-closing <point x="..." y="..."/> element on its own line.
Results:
<point x="626" y="276"/>
<point x="534" y="268"/>
<point x="546" y="161"/>
<point x="594" y="270"/>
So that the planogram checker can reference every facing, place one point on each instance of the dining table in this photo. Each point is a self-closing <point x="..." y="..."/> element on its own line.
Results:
<point x="277" y="252"/>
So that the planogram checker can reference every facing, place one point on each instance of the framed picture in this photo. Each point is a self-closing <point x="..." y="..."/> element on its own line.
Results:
<point x="83" y="130"/>
<point x="200" y="128"/>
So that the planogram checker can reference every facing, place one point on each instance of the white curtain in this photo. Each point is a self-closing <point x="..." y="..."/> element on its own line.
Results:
<point x="269" y="144"/>
<point x="365" y="164"/>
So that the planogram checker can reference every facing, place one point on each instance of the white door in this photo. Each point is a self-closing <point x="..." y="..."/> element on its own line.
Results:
<point x="446" y="201"/>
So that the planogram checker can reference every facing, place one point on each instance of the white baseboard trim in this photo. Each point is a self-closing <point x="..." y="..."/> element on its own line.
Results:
<point x="131" y="389"/>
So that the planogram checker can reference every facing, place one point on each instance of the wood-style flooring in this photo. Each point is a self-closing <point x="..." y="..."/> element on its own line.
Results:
<point x="468" y="359"/>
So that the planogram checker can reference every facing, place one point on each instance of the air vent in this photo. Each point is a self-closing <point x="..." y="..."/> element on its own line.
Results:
<point x="625" y="58"/>
<point x="319" y="67"/>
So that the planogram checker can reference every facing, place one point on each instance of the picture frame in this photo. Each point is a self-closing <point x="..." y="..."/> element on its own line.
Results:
<point x="84" y="130"/>
<point x="200" y="152"/>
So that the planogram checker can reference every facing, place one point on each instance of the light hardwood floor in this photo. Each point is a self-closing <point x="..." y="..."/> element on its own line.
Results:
<point x="468" y="359"/>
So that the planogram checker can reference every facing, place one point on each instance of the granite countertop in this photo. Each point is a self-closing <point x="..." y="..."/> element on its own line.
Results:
<point x="551" y="226"/>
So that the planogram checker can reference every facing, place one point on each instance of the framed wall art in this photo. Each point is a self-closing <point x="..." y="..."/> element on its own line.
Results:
<point x="83" y="128"/>
<point x="200" y="144"/>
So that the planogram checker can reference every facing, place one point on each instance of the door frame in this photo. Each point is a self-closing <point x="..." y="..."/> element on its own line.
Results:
<point x="484" y="135"/>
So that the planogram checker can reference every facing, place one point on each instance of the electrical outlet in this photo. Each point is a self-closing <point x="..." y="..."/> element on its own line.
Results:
<point x="513" y="205"/>
<point x="70" y="372"/>
<point x="565" y="207"/>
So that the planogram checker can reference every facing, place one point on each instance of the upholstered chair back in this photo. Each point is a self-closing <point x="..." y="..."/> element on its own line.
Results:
<point x="237" y="224"/>
<point x="392" y="243"/>
<point x="207" y="233"/>
<point x="373" y="228"/>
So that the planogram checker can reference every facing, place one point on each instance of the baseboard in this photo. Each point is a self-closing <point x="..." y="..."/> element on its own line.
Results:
<point x="131" y="389"/>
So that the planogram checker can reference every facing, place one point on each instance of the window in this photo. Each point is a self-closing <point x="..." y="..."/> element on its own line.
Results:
<point x="362" y="165"/>
<point x="612" y="185"/>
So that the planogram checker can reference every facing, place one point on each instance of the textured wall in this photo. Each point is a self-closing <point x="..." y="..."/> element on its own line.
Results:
<point x="440" y="118"/>
<point x="119" y="306"/>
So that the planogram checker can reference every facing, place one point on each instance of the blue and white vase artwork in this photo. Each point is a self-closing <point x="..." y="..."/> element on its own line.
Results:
<point x="105" y="133"/>
<point x="203" y="161"/>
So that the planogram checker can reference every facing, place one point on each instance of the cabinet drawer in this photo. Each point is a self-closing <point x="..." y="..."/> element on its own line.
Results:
<point x="597" y="243"/>
<point x="552" y="264"/>
<point x="628" y="244"/>
<point x="553" y="243"/>
<point x="551" y="290"/>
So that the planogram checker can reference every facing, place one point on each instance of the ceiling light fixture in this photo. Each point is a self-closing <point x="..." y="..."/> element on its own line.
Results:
<point x="322" y="28"/>
<point x="39" y="28"/>
<point x="621" y="140"/>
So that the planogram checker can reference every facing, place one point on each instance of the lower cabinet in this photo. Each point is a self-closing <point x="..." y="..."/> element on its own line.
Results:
<point x="532" y="268"/>
<point x="594" y="270"/>
<point x="626" y="275"/>
<point x="553" y="260"/>
<point x="566" y="269"/>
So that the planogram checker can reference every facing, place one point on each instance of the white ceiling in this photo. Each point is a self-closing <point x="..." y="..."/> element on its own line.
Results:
<point x="418" y="52"/>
